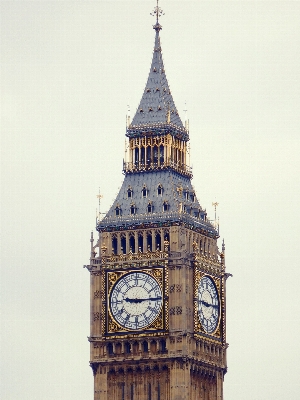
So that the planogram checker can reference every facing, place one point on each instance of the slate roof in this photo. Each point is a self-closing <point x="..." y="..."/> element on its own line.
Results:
<point x="177" y="193"/>
<point x="157" y="99"/>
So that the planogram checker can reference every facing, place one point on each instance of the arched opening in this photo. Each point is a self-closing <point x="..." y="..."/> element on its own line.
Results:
<point x="149" y="208"/>
<point x="163" y="346"/>
<point x="123" y="245"/>
<point x="149" y="242"/>
<point x="118" y="211"/>
<point x="159" y="190"/>
<point x="132" y="244"/>
<point x="158" y="241"/>
<point x="110" y="349"/>
<point x="144" y="192"/>
<point x="129" y="193"/>
<point x="140" y="243"/>
<point x="155" y="155"/>
<point x="114" y="245"/>
<point x="143" y="155"/>
<point x="161" y="154"/>
<point x="136" y="155"/>
<point x="127" y="347"/>
<point x="148" y="155"/>
<point x="145" y="346"/>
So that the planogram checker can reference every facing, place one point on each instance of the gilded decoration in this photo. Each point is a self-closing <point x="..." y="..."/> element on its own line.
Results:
<point x="115" y="258"/>
<point x="160" y="323"/>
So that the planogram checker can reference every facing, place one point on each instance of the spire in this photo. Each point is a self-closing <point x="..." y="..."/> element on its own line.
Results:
<point x="157" y="105"/>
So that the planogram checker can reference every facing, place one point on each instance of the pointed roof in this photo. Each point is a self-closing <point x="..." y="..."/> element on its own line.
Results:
<point x="157" y="105"/>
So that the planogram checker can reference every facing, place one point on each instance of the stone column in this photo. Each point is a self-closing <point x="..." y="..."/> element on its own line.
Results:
<point x="153" y="240"/>
<point x="118" y="243"/>
<point x="127" y="243"/>
<point x="136" y="240"/>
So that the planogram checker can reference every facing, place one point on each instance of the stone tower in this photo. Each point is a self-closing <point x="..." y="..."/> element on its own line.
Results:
<point x="157" y="277"/>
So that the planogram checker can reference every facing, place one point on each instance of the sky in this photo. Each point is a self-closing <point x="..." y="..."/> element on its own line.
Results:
<point x="69" y="71"/>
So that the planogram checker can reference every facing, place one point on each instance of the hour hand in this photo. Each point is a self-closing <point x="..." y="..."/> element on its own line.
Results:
<point x="140" y="300"/>
<point x="133" y="300"/>
<point x="208" y="305"/>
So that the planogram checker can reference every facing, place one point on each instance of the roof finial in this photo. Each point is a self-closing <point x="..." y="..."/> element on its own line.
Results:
<point x="99" y="196"/>
<point x="158" y="12"/>
<point x="215" y="204"/>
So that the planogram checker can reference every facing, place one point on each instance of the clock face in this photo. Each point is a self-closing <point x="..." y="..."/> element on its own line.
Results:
<point x="208" y="304"/>
<point x="135" y="300"/>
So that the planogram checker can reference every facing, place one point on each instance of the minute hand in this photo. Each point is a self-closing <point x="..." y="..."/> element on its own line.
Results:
<point x="140" y="300"/>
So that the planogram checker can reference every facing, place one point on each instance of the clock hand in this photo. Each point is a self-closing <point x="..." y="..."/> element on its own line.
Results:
<point x="154" y="298"/>
<point x="133" y="300"/>
<point x="208" y="305"/>
<point x="140" y="300"/>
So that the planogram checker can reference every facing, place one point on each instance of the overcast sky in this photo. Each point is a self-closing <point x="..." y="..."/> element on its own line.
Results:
<point x="68" y="71"/>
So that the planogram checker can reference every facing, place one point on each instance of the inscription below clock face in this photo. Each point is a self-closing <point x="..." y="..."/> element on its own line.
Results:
<point x="208" y="304"/>
<point x="135" y="300"/>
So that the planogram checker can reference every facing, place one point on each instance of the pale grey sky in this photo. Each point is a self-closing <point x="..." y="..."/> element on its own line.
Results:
<point x="68" y="71"/>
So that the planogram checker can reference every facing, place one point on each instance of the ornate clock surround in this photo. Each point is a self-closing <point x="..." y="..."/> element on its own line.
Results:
<point x="199" y="273"/>
<point x="160" y="325"/>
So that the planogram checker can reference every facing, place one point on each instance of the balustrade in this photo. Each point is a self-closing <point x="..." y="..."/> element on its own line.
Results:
<point x="136" y="348"/>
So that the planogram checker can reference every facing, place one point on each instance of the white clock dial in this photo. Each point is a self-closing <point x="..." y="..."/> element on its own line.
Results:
<point x="135" y="300"/>
<point x="208" y="304"/>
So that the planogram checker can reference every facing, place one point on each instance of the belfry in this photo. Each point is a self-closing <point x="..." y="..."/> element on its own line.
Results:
<point x="158" y="312"/>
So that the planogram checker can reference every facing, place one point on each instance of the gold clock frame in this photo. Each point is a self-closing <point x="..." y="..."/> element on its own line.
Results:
<point x="160" y="323"/>
<point x="198" y="329"/>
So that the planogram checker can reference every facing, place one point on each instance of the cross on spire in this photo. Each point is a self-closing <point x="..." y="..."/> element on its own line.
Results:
<point x="158" y="12"/>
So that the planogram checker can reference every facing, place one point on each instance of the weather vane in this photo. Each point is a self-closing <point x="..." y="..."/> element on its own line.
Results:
<point x="157" y="11"/>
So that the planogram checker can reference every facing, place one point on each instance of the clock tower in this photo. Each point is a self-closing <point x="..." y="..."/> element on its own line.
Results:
<point x="158" y="280"/>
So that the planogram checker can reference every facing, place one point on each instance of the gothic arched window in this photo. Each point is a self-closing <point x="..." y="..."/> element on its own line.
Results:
<point x="129" y="192"/>
<point x="114" y="245"/>
<point x="132" y="244"/>
<point x="118" y="211"/>
<point x="150" y="207"/>
<point x="165" y="206"/>
<point x="159" y="190"/>
<point x="144" y="191"/>
<point x="132" y="209"/>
